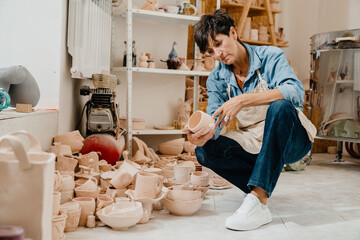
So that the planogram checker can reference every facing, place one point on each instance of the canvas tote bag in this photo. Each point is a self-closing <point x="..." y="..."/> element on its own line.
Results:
<point x="26" y="185"/>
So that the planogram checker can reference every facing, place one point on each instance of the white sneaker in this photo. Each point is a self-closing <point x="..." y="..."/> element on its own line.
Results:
<point x="251" y="215"/>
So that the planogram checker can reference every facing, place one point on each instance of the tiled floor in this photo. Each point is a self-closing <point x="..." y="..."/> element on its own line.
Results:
<point x="321" y="202"/>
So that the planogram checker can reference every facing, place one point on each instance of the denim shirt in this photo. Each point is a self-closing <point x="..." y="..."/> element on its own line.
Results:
<point x="274" y="69"/>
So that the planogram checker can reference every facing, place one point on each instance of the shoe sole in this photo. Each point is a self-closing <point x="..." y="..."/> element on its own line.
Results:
<point x="255" y="226"/>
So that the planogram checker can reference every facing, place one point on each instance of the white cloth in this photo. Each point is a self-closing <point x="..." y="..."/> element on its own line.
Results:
<point x="251" y="123"/>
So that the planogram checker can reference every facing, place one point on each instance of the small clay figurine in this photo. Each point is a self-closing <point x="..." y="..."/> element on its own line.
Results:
<point x="143" y="60"/>
<point x="173" y="61"/>
<point x="150" y="61"/>
<point x="150" y="5"/>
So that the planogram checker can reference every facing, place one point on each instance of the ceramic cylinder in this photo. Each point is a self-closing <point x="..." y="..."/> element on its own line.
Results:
<point x="199" y="178"/>
<point x="254" y="35"/>
<point x="182" y="173"/>
<point x="148" y="185"/>
<point x="87" y="205"/>
<point x="199" y="120"/>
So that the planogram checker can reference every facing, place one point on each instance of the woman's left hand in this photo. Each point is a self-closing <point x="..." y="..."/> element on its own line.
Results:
<point x="229" y="109"/>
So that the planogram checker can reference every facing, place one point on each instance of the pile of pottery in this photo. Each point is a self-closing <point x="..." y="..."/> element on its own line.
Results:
<point x="189" y="94"/>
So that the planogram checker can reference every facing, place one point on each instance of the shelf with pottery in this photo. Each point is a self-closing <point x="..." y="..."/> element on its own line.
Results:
<point x="261" y="43"/>
<point x="161" y="71"/>
<point x="159" y="16"/>
<point x="255" y="9"/>
<point x="151" y="131"/>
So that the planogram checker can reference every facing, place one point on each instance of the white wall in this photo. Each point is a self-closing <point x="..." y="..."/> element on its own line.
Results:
<point x="303" y="18"/>
<point x="31" y="36"/>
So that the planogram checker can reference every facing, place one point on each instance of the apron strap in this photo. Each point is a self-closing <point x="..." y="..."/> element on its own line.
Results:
<point x="258" y="73"/>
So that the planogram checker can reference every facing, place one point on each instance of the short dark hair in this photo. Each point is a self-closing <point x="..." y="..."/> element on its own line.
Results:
<point x="210" y="25"/>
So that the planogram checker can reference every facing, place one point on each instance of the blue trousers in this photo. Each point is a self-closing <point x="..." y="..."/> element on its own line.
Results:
<point x="285" y="141"/>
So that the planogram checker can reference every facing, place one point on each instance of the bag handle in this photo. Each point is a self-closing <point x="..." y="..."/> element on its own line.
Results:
<point x="34" y="143"/>
<point x="18" y="148"/>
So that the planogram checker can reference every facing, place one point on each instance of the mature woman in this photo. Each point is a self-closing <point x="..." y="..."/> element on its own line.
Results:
<point x="255" y="85"/>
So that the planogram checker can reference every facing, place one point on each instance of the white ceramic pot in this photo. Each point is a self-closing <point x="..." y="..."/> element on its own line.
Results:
<point x="182" y="208"/>
<point x="148" y="185"/>
<point x="184" y="195"/>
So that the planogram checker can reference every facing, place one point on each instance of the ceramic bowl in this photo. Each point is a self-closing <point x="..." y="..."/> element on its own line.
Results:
<point x="173" y="147"/>
<point x="185" y="195"/>
<point x="182" y="208"/>
<point x="122" y="215"/>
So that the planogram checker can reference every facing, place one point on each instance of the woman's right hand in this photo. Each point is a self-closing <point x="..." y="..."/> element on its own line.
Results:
<point x="198" y="138"/>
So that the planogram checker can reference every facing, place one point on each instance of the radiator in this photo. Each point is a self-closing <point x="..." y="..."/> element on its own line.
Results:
<point x="89" y="36"/>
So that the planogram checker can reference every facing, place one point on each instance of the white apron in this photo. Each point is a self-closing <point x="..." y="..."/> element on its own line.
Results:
<point x="251" y="122"/>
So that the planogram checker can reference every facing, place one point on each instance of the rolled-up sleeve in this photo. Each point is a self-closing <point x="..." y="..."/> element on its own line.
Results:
<point x="283" y="78"/>
<point x="216" y="91"/>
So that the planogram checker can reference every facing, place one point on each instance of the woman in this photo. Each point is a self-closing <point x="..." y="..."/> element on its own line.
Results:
<point x="255" y="85"/>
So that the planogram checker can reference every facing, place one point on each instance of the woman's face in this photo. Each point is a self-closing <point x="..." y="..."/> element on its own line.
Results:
<point x="223" y="47"/>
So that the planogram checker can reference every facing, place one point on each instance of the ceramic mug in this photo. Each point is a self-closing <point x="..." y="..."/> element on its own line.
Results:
<point x="148" y="185"/>
<point x="199" y="120"/>
<point x="182" y="173"/>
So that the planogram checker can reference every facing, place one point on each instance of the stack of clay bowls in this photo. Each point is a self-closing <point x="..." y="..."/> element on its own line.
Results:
<point x="173" y="147"/>
<point x="183" y="202"/>
<point x="201" y="181"/>
<point x="73" y="212"/>
<point x="88" y="189"/>
<point x="58" y="219"/>
<point x="122" y="215"/>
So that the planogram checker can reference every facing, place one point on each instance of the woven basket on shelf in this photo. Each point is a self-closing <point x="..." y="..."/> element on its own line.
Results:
<point x="104" y="81"/>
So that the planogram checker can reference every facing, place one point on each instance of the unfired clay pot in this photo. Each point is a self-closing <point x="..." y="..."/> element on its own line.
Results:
<point x="200" y="120"/>
<point x="66" y="196"/>
<point x="68" y="183"/>
<point x="157" y="171"/>
<point x="87" y="205"/>
<point x="184" y="195"/>
<point x="56" y="203"/>
<point x="182" y="173"/>
<point x="58" y="226"/>
<point x="73" y="212"/>
<point x="173" y="147"/>
<point x="121" y="180"/>
<point x="65" y="163"/>
<point x="182" y="208"/>
<point x="121" y="216"/>
<point x="148" y="185"/>
<point x="90" y="159"/>
<point x="199" y="178"/>
<point x="114" y="193"/>
<point x="58" y="181"/>
<point x="73" y="139"/>
<point x="61" y="149"/>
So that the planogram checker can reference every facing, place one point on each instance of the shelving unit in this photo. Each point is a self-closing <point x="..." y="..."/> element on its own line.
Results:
<point x="247" y="10"/>
<point x="131" y="14"/>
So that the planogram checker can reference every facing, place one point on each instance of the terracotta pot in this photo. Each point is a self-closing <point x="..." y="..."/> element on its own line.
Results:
<point x="73" y="139"/>
<point x="58" y="226"/>
<point x="87" y="205"/>
<point x="56" y="203"/>
<point x="148" y="185"/>
<point x="199" y="178"/>
<point x="182" y="208"/>
<point x="200" y="120"/>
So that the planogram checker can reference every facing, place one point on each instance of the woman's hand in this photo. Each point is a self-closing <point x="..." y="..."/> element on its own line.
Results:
<point x="198" y="138"/>
<point x="229" y="109"/>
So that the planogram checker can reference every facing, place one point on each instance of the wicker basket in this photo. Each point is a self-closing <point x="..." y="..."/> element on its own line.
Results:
<point x="104" y="81"/>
